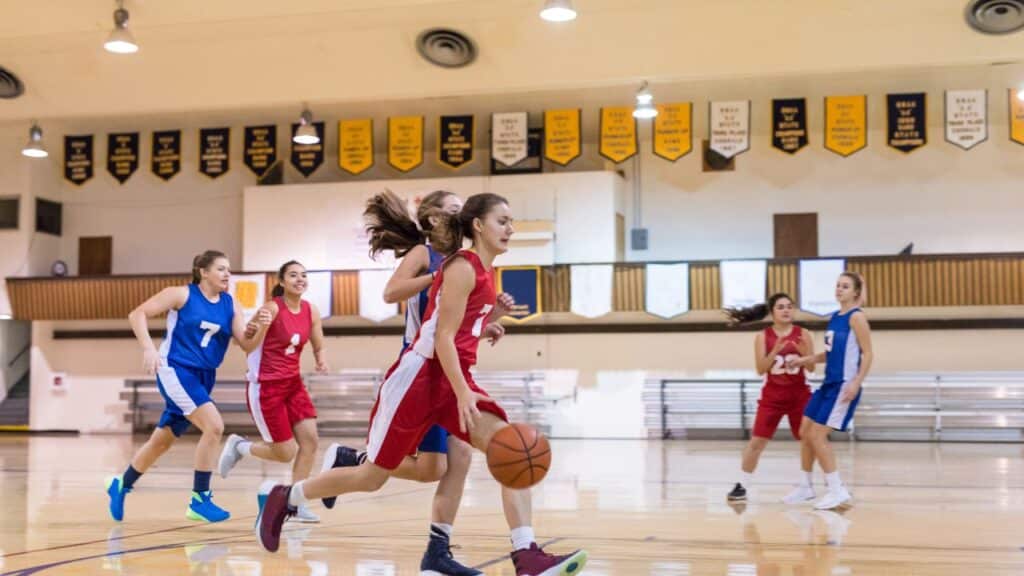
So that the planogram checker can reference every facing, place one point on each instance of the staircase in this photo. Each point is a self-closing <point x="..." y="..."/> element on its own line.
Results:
<point x="14" y="408"/>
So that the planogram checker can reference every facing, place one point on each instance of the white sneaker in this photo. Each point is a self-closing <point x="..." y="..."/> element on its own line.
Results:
<point x="802" y="493"/>
<point x="230" y="455"/>
<point x="833" y="499"/>
<point x="305" y="515"/>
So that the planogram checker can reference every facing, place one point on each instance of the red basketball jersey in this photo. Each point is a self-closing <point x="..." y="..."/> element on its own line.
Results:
<point x="478" y="308"/>
<point x="778" y="373"/>
<point x="278" y="356"/>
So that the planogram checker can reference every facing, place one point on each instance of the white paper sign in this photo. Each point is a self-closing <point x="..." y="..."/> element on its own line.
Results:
<point x="668" y="289"/>
<point x="729" y="125"/>
<point x="318" y="291"/>
<point x="966" y="117"/>
<point x="818" y="285"/>
<point x="509" y="132"/>
<point x="743" y="282"/>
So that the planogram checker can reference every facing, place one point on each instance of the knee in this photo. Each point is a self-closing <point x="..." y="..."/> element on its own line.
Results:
<point x="214" y="429"/>
<point x="162" y="443"/>
<point x="432" y="469"/>
<point x="283" y="451"/>
<point x="307" y="444"/>
<point x="757" y="445"/>
<point x="460" y="456"/>
<point x="375" y="478"/>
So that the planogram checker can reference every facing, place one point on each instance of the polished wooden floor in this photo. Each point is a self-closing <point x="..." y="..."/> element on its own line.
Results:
<point x="640" y="508"/>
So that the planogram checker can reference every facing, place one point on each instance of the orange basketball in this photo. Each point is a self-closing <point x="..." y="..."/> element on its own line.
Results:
<point x="519" y="456"/>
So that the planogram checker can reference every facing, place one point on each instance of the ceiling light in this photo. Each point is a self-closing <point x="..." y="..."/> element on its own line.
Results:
<point x="34" y="148"/>
<point x="644" y="103"/>
<point x="558" y="11"/>
<point x="121" y="40"/>
<point x="306" y="134"/>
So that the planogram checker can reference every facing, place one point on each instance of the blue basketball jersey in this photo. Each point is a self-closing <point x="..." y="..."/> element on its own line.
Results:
<point x="842" y="351"/>
<point x="416" y="307"/>
<point x="199" y="333"/>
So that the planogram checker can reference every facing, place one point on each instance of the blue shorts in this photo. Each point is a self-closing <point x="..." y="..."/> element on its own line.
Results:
<point x="825" y="408"/>
<point x="184" y="389"/>
<point x="436" y="440"/>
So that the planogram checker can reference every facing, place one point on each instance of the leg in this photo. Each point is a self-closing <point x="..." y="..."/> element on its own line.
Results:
<point x="208" y="420"/>
<point x="449" y="490"/>
<point x="160" y="441"/>
<point x="821" y="449"/>
<point x="426" y="467"/>
<point x="806" y="449"/>
<point x="283" y="452"/>
<point x="804" y="489"/>
<point x="752" y="453"/>
<point x="308" y="440"/>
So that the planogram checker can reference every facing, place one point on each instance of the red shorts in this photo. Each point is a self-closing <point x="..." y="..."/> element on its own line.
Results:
<point x="278" y="405"/>
<point x="778" y="401"/>
<point x="415" y="395"/>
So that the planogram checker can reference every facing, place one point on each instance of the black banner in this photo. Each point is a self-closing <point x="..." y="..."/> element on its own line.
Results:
<point x="78" y="159"/>
<point x="214" y="151"/>
<point x="166" y="157"/>
<point x="789" y="124"/>
<point x="308" y="157"/>
<point x="907" y="127"/>
<point x="259" y="148"/>
<point x="455" y="140"/>
<point x="122" y="155"/>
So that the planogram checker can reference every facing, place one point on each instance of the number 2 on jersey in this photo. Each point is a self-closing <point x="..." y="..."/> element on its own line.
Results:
<point x="780" y="365"/>
<point x="292" y="344"/>
<point x="478" y="326"/>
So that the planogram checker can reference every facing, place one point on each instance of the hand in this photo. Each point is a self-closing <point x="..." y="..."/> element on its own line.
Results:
<point x="805" y="361"/>
<point x="493" y="332"/>
<point x="780" y="343"/>
<point x="250" y="330"/>
<point x="321" y="366"/>
<point x="468" y="412"/>
<point x="850" y="393"/>
<point x="503" y="305"/>
<point x="150" y="361"/>
<point x="263" y="317"/>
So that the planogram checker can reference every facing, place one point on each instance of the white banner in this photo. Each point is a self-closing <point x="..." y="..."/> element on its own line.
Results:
<point x="371" y="295"/>
<point x="818" y="285"/>
<point x="591" y="290"/>
<point x="729" y="125"/>
<point x="743" y="282"/>
<point x="319" y="290"/>
<point x="250" y="291"/>
<point x="966" y="117"/>
<point x="509" y="132"/>
<point x="668" y="289"/>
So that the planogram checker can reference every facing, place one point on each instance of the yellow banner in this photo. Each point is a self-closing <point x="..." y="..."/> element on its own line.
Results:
<point x="618" y="133"/>
<point x="562" y="143"/>
<point x="846" y="124"/>
<point x="1016" y="117"/>
<point x="405" y="142"/>
<point x="673" y="134"/>
<point x="355" y="145"/>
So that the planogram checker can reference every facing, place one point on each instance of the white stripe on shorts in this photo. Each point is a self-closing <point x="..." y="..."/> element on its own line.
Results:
<point x="392" y="392"/>
<point x="253" y="391"/>
<point x="175" y="391"/>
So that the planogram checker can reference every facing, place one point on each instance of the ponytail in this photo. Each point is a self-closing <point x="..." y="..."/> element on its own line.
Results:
<point x="755" y="313"/>
<point x="389" y="225"/>
<point x="202" y="262"/>
<point x="452" y="229"/>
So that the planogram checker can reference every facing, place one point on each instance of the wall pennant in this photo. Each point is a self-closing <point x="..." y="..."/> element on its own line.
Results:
<point x="562" y="141"/>
<point x="846" y="124"/>
<point x="306" y="158"/>
<point x="78" y="159"/>
<point x="618" y="134"/>
<point x="122" y="155"/>
<point x="510" y="137"/>
<point x="1016" y="117"/>
<point x="214" y="151"/>
<point x="907" y="128"/>
<point x="405" y="142"/>
<point x="455" y="140"/>
<point x="165" y="158"/>
<point x="789" y="124"/>
<point x="672" y="133"/>
<point x="355" y="145"/>
<point x="729" y="125"/>
<point x="259" y="148"/>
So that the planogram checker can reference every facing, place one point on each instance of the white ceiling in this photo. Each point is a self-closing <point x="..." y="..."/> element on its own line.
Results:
<point x="235" y="55"/>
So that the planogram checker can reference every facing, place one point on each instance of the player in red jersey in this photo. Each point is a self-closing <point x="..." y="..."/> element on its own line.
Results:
<point x="785" y="391"/>
<point x="431" y="384"/>
<point x="277" y="397"/>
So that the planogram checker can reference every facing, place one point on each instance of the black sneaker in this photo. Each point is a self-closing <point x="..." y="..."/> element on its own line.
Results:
<point x="738" y="494"/>
<point x="438" y="559"/>
<point x="337" y="456"/>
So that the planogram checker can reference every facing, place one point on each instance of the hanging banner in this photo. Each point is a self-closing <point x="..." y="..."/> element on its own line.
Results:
<point x="667" y="289"/>
<point x="165" y="159"/>
<point x="306" y="158"/>
<point x="673" y="131"/>
<point x="320" y="291"/>
<point x="966" y="117"/>
<point x="523" y="284"/>
<point x="122" y="155"/>
<point x="250" y="291"/>
<point x="259" y="148"/>
<point x="562" y="141"/>
<point x="78" y="159"/>
<point x="371" y="295"/>
<point x="532" y="164"/>
<point x="907" y="121"/>
<point x="355" y="145"/>
<point x="1016" y="117"/>
<point x="818" y="285"/>
<point x="590" y="289"/>
<point x="789" y="124"/>
<point x="405" y="142"/>
<point x="846" y="124"/>
<point x="214" y="151"/>
<point x="455" y="140"/>
<point x="744" y="282"/>
<point x="509" y="137"/>
<point x="618" y="134"/>
<point x="729" y="125"/>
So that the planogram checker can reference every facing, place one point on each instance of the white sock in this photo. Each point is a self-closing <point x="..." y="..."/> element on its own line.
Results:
<point x="746" y="478"/>
<point x="445" y="528"/>
<point x="806" y="479"/>
<point x="832" y="481"/>
<point x="296" y="497"/>
<point x="522" y="537"/>
<point x="244" y="448"/>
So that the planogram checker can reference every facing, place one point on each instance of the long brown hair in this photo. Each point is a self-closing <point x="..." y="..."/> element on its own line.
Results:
<point x="755" y="313"/>
<point x="859" y="286"/>
<point x="278" y="290"/>
<point x="202" y="262"/>
<point x="453" y="228"/>
<point x="391" y="228"/>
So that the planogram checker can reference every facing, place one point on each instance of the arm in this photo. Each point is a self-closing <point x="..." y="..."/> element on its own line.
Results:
<point x="494" y="331"/>
<point x="859" y="324"/>
<point x="807" y="348"/>
<point x="458" y="284"/>
<point x="409" y="279"/>
<point x="316" y="338"/>
<point x="172" y="298"/>
<point x="250" y="336"/>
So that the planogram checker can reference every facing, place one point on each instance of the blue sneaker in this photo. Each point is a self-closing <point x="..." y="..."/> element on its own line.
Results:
<point x="438" y="559"/>
<point x="116" y="491"/>
<point x="202" y="509"/>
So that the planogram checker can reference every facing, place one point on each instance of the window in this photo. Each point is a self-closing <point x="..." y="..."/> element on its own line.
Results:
<point x="48" y="216"/>
<point x="9" y="207"/>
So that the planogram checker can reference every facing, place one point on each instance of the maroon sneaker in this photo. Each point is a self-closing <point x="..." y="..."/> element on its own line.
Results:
<point x="536" y="562"/>
<point x="272" y="516"/>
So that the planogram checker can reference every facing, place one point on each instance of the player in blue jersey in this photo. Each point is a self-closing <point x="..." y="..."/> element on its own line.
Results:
<point x="847" y="357"/>
<point x="201" y="320"/>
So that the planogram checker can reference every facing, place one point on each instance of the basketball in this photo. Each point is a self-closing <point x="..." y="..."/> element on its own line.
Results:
<point x="519" y="456"/>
